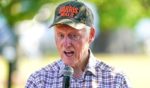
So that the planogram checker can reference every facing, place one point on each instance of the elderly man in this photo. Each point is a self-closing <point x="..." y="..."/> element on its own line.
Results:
<point x="74" y="32"/>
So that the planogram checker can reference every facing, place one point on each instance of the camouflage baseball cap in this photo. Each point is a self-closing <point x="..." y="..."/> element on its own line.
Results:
<point x="73" y="13"/>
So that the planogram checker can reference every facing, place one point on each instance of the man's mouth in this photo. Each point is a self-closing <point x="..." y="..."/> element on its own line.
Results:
<point x="69" y="53"/>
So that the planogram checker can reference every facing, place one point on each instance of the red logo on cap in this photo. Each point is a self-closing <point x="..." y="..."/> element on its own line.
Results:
<point x="68" y="11"/>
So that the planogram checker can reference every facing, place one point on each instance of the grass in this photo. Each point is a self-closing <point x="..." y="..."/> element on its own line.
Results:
<point x="136" y="67"/>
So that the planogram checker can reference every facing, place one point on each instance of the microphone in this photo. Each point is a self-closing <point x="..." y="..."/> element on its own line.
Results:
<point x="67" y="73"/>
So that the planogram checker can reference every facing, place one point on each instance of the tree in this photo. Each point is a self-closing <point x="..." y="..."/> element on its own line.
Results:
<point x="116" y="13"/>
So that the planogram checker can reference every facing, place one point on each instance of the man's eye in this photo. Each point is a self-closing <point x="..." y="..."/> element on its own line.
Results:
<point x="61" y="36"/>
<point x="74" y="37"/>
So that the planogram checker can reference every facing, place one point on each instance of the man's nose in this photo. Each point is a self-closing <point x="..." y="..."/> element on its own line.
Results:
<point x="67" y="42"/>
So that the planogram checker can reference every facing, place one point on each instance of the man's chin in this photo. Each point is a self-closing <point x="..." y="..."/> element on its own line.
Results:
<point x="69" y="63"/>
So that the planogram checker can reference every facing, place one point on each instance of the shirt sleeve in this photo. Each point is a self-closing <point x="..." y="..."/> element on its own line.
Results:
<point x="121" y="81"/>
<point x="31" y="82"/>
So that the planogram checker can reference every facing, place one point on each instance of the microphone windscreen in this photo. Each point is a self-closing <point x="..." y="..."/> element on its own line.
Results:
<point x="68" y="71"/>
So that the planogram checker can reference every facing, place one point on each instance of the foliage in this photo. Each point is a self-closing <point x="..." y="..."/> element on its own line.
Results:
<point x="17" y="10"/>
<point x="113" y="13"/>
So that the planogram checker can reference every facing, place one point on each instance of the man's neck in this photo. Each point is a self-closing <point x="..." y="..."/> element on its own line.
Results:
<point x="80" y="67"/>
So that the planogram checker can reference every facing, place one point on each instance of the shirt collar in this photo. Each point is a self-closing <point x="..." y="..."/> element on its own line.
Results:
<point x="90" y="66"/>
<point x="62" y="66"/>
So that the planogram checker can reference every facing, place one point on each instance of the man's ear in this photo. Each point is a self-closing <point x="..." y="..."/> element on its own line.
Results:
<point x="92" y="34"/>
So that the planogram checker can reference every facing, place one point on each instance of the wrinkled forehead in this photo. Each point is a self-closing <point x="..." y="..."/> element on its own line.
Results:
<point x="64" y="27"/>
<point x="68" y="29"/>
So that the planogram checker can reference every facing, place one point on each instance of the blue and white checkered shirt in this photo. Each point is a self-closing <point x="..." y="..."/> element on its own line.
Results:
<point x="96" y="75"/>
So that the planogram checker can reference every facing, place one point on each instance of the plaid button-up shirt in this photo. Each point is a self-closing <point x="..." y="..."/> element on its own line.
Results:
<point x="97" y="75"/>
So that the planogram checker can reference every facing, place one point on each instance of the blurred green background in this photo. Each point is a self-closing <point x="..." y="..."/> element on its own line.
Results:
<point x="27" y="44"/>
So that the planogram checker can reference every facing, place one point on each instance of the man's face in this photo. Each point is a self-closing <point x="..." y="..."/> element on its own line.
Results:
<point x="72" y="44"/>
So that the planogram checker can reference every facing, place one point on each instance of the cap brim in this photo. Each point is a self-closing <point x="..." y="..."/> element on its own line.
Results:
<point x="71" y="23"/>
